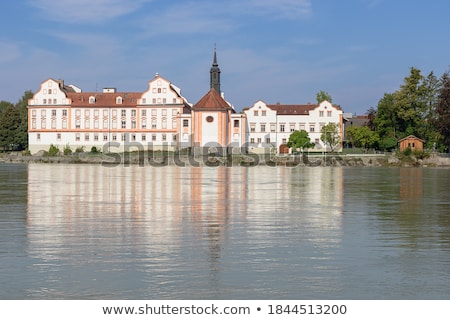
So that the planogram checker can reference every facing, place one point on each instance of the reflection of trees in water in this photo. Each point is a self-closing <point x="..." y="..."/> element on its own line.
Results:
<point x="409" y="203"/>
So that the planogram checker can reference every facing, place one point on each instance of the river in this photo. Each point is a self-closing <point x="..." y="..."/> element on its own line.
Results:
<point x="71" y="231"/>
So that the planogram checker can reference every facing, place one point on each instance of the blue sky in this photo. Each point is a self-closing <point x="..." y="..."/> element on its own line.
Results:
<point x="274" y="50"/>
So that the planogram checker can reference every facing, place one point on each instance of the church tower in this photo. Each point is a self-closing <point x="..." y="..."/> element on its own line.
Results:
<point x="215" y="74"/>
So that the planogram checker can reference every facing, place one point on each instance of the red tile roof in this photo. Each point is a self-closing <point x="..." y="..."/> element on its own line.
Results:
<point x="212" y="101"/>
<point x="81" y="99"/>
<point x="292" y="109"/>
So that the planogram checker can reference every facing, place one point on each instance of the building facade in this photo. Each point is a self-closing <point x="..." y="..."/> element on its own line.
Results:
<point x="269" y="126"/>
<point x="160" y="118"/>
<point x="109" y="120"/>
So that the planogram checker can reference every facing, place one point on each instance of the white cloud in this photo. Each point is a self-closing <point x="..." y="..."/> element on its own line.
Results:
<point x="86" y="11"/>
<point x="291" y="9"/>
<point x="204" y="16"/>
<point x="187" y="18"/>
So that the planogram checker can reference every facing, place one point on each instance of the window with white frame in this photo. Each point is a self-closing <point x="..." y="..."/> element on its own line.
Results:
<point x="292" y="127"/>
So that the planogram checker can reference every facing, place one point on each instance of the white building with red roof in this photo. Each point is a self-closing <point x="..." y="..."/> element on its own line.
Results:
<point x="109" y="120"/>
<point x="270" y="125"/>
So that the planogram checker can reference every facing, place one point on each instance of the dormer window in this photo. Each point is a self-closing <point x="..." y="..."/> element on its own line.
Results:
<point x="119" y="100"/>
<point x="92" y="100"/>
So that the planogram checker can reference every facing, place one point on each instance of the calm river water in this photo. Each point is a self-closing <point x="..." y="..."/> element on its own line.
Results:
<point x="93" y="232"/>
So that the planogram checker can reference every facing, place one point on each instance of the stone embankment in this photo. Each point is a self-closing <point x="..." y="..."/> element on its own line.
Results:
<point x="158" y="160"/>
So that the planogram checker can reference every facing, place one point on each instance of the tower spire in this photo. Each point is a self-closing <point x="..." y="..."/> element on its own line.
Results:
<point x="215" y="74"/>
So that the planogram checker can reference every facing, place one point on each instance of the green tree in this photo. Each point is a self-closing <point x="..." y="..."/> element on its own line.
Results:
<point x="22" y="106"/>
<point x="322" y="96"/>
<point x="9" y="124"/>
<point x="409" y="101"/>
<point x="363" y="137"/>
<point x="427" y="129"/>
<point x="4" y="105"/>
<point x="388" y="143"/>
<point x="442" y="120"/>
<point x="371" y="115"/>
<point x="330" y="135"/>
<point x="300" y="140"/>
<point x="386" y="120"/>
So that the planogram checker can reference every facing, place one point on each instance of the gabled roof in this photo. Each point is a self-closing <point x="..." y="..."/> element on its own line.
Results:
<point x="292" y="109"/>
<point x="411" y="137"/>
<point x="212" y="101"/>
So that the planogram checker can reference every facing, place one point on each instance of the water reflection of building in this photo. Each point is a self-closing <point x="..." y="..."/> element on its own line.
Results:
<point x="217" y="196"/>
<point x="309" y="199"/>
<point x="411" y="183"/>
<point x="411" y="192"/>
<point x="152" y="209"/>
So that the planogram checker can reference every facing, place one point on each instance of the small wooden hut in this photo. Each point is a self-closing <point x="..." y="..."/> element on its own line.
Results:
<point x="411" y="142"/>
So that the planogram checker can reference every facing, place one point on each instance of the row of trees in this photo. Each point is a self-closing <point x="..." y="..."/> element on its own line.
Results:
<point x="14" y="124"/>
<point x="420" y="107"/>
